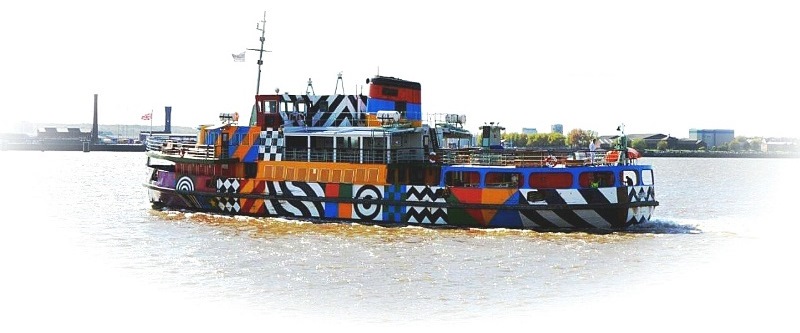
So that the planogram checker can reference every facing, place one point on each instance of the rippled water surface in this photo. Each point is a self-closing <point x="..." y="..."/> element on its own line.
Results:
<point x="82" y="249"/>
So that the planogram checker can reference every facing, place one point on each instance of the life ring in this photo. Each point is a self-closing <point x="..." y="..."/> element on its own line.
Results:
<point x="550" y="161"/>
<point x="612" y="156"/>
<point x="433" y="157"/>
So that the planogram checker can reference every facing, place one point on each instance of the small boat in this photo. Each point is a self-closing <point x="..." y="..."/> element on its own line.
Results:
<point x="371" y="159"/>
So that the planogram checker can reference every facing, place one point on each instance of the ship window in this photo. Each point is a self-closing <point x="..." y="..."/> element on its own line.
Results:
<point x="503" y="179"/>
<point x="647" y="177"/>
<point x="550" y="180"/>
<point x="273" y="106"/>
<point x="629" y="174"/>
<point x="389" y="91"/>
<point x="602" y="178"/>
<point x="462" y="178"/>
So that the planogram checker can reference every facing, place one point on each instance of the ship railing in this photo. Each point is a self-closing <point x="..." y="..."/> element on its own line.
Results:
<point x="505" y="157"/>
<point x="355" y="155"/>
<point x="187" y="148"/>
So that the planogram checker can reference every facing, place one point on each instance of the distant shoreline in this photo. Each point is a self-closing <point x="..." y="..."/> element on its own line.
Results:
<point x="719" y="154"/>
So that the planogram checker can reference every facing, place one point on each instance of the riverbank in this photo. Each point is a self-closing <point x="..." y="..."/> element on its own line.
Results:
<point x="721" y="154"/>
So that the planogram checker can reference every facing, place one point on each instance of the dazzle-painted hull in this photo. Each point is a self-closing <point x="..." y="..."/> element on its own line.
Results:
<point x="551" y="209"/>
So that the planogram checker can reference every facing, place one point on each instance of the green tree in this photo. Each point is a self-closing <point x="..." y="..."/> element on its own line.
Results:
<point x="579" y="138"/>
<point x="537" y="140"/>
<point x="639" y="144"/>
<point x="662" y="145"/>
<point x="556" y="140"/>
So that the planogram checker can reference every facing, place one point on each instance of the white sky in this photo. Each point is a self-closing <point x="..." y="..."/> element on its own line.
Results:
<point x="658" y="67"/>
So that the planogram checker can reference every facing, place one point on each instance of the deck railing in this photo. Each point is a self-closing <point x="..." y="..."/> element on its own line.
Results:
<point x="466" y="156"/>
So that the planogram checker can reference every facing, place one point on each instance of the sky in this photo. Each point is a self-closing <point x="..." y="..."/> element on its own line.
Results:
<point x="655" y="66"/>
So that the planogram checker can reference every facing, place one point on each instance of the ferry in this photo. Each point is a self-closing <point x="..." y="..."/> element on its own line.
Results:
<point x="372" y="159"/>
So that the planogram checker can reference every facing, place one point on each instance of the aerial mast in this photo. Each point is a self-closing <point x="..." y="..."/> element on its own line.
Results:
<point x="261" y="50"/>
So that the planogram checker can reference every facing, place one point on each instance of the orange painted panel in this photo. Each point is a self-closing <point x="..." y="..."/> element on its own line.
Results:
<point x="345" y="210"/>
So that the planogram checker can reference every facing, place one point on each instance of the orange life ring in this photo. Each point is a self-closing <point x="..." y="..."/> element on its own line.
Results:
<point x="612" y="156"/>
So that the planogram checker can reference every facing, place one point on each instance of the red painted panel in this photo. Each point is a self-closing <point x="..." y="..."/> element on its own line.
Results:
<point x="395" y="94"/>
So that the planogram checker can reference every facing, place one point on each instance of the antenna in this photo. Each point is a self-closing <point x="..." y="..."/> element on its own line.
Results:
<point x="339" y="79"/>
<point x="261" y="27"/>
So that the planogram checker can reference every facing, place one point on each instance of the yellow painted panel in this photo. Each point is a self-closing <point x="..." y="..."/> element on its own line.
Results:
<point x="496" y="196"/>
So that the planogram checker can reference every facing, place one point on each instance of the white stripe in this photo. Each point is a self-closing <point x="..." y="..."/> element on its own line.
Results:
<point x="527" y="222"/>
<point x="553" y="218"/>
<point x="591" y="217"/>
<point x="572" y="197"/>
<point x="610" y="193"/>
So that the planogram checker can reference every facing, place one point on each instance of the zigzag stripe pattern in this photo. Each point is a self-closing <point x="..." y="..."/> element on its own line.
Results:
<point x="423" y="194"/>
<point x="641" y="194"/>
<point x="639" y="214"/>
<point x="425" y="215"/>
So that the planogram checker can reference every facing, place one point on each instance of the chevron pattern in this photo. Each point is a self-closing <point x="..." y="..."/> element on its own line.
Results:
<point x="424" y="215"/>
<point x="342" y="110"/>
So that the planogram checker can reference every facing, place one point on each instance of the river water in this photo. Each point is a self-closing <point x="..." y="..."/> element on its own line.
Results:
<point x="82" y="250"/>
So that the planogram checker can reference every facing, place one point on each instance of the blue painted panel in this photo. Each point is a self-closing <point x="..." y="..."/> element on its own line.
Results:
<point x="331" y="210"/>
<point x="252" y="154"/>
<point x="413" y="112"/>
<point x="374" y="105"/>
<point x="506" y="219"/>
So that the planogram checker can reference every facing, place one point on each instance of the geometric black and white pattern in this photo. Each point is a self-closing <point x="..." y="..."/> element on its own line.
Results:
<point x="228" y="185"/>
<point x="227" y="204"/>
<point x="270" y="145"/>
<point x="325" y="110"/>
<point x="291" y="202"/>
<point x="425" y="215"/>
<point x="575" y="217"/>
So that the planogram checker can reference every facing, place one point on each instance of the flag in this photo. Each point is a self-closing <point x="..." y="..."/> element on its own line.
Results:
<point x="147" y="116"/>
<point x="238" y="57"/>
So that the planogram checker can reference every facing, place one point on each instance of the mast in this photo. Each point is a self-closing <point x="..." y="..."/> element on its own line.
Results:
<point x="261" y="51"/>
<point x="262" y="28"/>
